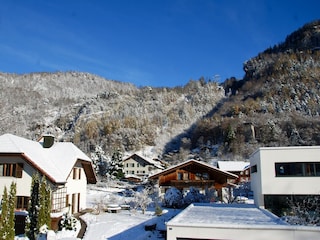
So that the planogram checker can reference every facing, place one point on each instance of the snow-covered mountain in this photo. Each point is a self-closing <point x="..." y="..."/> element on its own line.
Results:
<point x="275" y="104"/>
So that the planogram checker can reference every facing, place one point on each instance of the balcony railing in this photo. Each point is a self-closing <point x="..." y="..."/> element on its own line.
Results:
<point x="194" y="183"/>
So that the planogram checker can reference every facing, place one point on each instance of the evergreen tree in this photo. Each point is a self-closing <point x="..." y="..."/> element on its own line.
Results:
<point x="8" y="205"/>
<point x="44" y="203"/>
<point x="11" y="208"/>
<point x="4" y="215"/>
<point x="100" y="161"/>
<point x="33" y="209"/>
<point x="116" y="167"/>
<point x="39" y="206"/>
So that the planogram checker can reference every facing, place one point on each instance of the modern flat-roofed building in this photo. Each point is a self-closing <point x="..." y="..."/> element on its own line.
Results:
<point x="234" y="221"/>
<point x="279" y="173"/>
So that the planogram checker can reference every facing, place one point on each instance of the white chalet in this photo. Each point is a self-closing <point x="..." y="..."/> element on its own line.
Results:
<point x="278" y="173"/>
<point x="141" y="167"/>
<point x="66" y="168"/>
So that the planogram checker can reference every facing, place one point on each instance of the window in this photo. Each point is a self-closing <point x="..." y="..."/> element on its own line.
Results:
<point x="76" y="173"/>
<point x="75" y="206"/>
<point x="59" y="199"/>
<point x="205" y="176"/>
<point x="185" y="176"/>
<point x="132" y="164"/>
<point x="182" y="176"/>
<point x="138" y="165"/>
<point x="22" y="202"/>
<point x="254" y="169"/>
<point x="11" y="170"/>
<point x="297" y="169"/>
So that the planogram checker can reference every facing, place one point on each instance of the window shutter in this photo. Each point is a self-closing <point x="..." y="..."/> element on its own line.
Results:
<point x="19" y="170"/>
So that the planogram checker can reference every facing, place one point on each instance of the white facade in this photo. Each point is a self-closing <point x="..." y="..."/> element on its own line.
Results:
<point x="23" y="184"/>
<point x="285" y="171"/>
<point x="76" y="188"/>
<point x="136" y="165"/>
<point x="133" y="167"/>
<point x="66" y="168"/>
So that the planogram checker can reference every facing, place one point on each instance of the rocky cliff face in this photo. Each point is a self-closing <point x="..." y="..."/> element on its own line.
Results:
<point x="279" y="96"/>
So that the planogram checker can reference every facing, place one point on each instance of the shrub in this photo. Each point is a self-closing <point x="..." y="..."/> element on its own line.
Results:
<point x="68" y="222"/>
<point x="173" y="198"/>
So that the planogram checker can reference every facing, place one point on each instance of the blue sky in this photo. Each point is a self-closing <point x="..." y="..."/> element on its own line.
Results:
<point x="145" y="42"/>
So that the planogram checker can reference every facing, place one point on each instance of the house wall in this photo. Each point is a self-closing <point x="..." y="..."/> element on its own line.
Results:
<point x="163" y="179"/>
<point x="24" y="183"/>
<point x="141" y="170"/>
<point x="73" y="186"/>
<point x="241" y="232"/>
<point x="77" y="189"/>
<point x="264" y="181"/>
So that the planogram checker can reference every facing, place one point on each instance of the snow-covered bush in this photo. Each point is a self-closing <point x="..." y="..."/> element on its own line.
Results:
<point x="43" y="229"/>
<point x="68" y="222"/>
<point x="211" y="195"/>
<point x="193" y="196"/>
<point x="173" y="198"/>
<point x="305" y="212"/>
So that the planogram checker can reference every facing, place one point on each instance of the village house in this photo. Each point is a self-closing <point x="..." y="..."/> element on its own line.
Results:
<point x="239" y="168"/>
<point x="193" y="173"/>
<point x="138" y="168"/>
<point x="279" y="173"/>
<point x="66" y="168"/>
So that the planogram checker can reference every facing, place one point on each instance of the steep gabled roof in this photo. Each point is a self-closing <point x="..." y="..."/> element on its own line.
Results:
<point x="190" y="162"/>
<point x="55" y="162"/>
<point x="136" y="156"/>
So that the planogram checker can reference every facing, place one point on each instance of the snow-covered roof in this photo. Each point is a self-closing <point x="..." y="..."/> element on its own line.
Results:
<point x="231" y="215"/>
<point x="149" y="161"/>
<point x="132" y="176"/>
<point x="56" y="162"/>
<point x="233" y="166"/>
<point x="209" y="166"/>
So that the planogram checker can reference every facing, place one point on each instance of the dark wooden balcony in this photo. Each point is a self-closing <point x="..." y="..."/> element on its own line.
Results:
<point x="194" y="183"/>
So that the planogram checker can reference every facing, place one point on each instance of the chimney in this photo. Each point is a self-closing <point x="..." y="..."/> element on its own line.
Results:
<point x="48" y="141"/>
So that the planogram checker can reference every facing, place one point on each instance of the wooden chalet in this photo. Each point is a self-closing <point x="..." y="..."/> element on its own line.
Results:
<point x="239" y="168"/>
<point x="193" y="173"/>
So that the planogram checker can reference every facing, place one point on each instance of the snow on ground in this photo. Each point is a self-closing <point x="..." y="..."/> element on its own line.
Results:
<point x="127" y="224"/>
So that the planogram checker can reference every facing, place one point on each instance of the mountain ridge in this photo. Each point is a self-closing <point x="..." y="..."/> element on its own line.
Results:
<point x="275" y="104"/>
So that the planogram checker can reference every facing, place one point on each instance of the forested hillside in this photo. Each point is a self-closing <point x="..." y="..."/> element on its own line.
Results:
<point x="275" y="104"/>
<point x="91" y="111"/>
